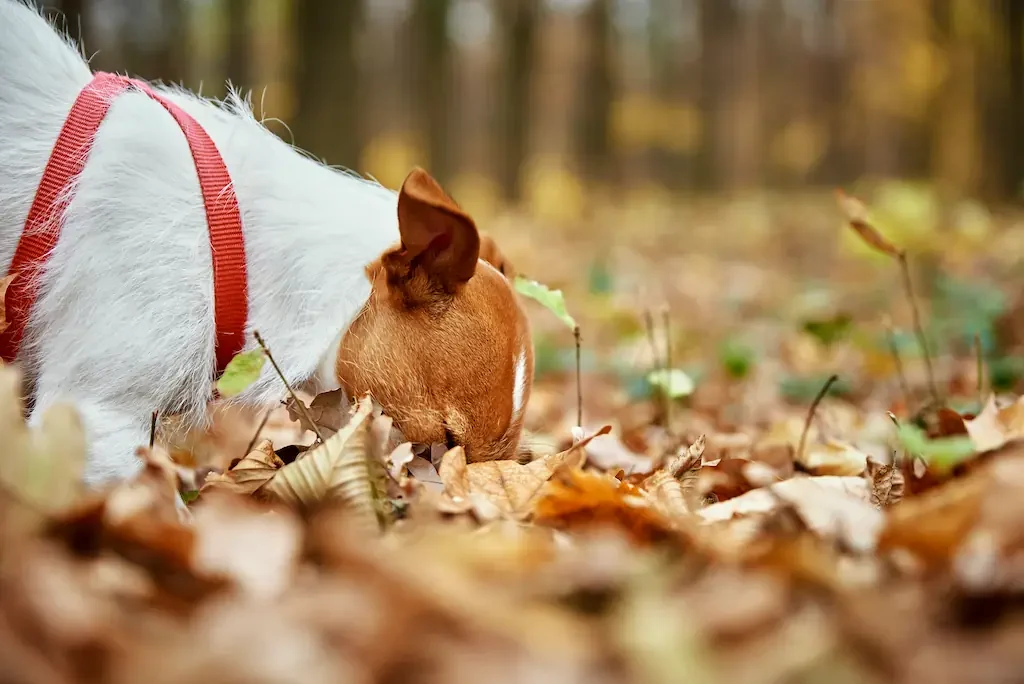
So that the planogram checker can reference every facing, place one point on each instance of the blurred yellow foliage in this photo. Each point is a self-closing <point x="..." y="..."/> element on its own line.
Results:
<point x="388" y="158"/>
<point x="552" y="192"/>
<point x="799" y="146"/>
<point x="479" y="195"/>
<point x="640" y="121"/>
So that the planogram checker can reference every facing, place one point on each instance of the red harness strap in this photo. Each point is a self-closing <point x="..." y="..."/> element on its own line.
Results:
<point x="46" y="216"/>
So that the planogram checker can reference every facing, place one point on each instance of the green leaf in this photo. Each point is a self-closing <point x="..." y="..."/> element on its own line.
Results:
<point x="672" y="381"/>
<point x="943" y="451"/>
<point x="552" y="300"/>
<point x="242" y="371"/>
<point x="190" y="496"/>
<point x="736" y="358"/>
<point x="829" y="330"/>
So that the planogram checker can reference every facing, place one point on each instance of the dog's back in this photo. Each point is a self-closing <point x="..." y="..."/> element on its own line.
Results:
<point x="40" y="76"/>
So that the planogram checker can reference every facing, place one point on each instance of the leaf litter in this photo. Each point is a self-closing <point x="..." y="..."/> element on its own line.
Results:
<point x="738" y="534"/>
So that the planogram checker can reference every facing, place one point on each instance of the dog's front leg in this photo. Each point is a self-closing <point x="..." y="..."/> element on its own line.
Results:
<point x="113" y="429"/>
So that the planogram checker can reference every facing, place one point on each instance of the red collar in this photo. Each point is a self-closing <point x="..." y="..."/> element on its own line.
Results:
<point x="45" y="218"/>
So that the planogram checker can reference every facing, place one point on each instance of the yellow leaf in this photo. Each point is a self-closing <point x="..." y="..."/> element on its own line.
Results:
<point x="4" y="283"/>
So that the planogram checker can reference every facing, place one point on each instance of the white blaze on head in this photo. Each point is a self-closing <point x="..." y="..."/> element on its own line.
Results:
<point x="519" y="384"/>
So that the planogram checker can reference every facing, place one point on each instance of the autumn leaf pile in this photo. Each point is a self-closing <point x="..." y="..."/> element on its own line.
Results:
<point x="841" y="538"/>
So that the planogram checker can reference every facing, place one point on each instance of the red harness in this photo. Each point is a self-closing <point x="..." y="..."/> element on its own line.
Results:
<point x="46" y="216"/>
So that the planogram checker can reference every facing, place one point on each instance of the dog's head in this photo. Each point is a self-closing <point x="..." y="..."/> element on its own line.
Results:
<point x="443" y="343"/>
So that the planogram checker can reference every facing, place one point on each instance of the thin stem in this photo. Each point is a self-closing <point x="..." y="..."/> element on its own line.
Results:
<point x="256" y="435"/>
<point x="579" y="384"/>
<point x="890" y="337"/>
<point x="908" y="286"/>
<point x="298" y="402"/>
<point x="810" y="414"/>
<point x="655" y="356"/>
<point x="980" y="359"/>
<point x="666" y="324"/>
<point x="152" y="429"/>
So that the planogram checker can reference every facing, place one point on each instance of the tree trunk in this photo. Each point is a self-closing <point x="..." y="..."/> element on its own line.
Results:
<point x="519" y="23"/>
<point x="326" y="80"/>
<point x="1013" y="151"/>
<point x="593" y="110"/>
<point x="432" y="73"/>
<point x="239" y="53"/>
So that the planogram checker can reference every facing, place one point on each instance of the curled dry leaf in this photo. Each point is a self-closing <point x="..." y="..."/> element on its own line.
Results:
<point x="994" y="426"/>
<point x="856" y="213"/>
<point x="673" y="490"/>
<point x="337" y="470"/>
<point x="249" y="475"/>
<point x="887" y="484"/>
<point x="329" y="411"/>
<point x="507" y="485"/>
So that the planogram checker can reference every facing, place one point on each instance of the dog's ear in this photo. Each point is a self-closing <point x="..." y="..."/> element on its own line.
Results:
<point x="440" y="243"/>
<point x="490" y="253"/>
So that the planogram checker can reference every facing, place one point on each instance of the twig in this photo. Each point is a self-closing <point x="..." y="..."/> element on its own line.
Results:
<point x="579" y="384"/>
<point x="890" y="337"/>
<point x="666" y="323"/>
<point x="298" y="402"/>
<point x="256" y="435"/>
<point x="152" y="429"/>
<point x="810" y="414"/>
<point x="980" y="368"/>
<point x="655" y="356"/>
<point x="908" y="287"/>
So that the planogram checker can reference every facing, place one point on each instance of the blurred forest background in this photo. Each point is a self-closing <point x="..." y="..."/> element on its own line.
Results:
<point x="544" y="103"/>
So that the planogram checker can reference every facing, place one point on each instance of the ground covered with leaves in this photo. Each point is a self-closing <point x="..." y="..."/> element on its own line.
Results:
<point x="790" y="468"/>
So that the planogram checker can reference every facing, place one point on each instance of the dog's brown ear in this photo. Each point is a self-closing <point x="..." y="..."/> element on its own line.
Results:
<point x="440" y="243"/>
<point x="490" y="253"/>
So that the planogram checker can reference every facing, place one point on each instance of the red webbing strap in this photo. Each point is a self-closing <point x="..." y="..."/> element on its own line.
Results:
<point x="46" y="216"/>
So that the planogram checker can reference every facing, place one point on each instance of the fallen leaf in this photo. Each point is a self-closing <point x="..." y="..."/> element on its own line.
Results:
<point x="833" y="457"/>
<point x="337" y="470"/>
<point x="993" y="427"/>
<point x="887" y="484"/>
<point x="510" y="486"/>
<point x="328" y="411"/>
<point x="248" y="475"/>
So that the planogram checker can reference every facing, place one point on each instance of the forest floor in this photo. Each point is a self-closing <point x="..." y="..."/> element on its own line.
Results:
<point x="773" y="482"/>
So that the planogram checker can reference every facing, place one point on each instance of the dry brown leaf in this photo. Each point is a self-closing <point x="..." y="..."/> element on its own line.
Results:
<point x="249" y="474"/>
<point x="887" y="484"/>
<point x="856" y="213"/>
<point x="508" y="486"/>
<point x="833" y="457"/>
<point x="933" y="524"/>
<point x="994" y="426"/>
<point x="258" y="550"/>
<point x="833" y="507"/>
<point x="4" y="284"/>
<point x="337" y="470"/>
<point x="329" y="411"/>
<point x="580" y="500"/>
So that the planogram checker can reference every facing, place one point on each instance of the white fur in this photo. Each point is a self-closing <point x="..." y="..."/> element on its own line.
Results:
<point x="124" y="322"/>
<point x="519" y="384"/>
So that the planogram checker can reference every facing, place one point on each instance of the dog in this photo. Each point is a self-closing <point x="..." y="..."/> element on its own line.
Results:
<point x="151" y="275"/>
